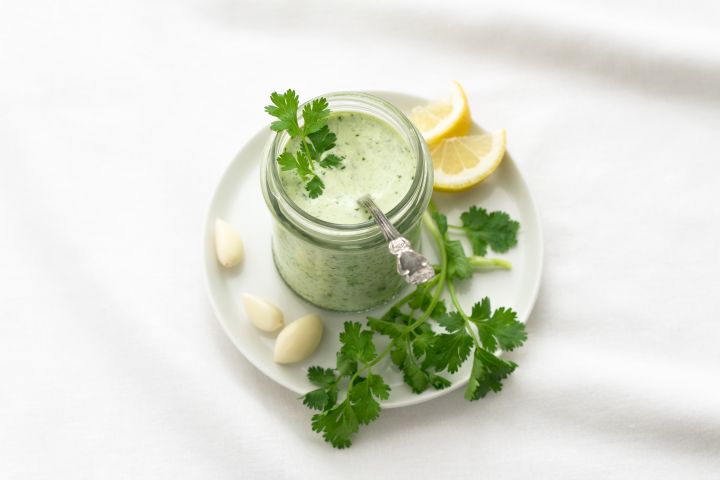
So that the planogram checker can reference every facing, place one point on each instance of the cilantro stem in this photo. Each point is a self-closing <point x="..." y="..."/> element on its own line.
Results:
<point x="311" y="162"/>
<point x="437" y="236"/>
<point x="367" y="367"/>
<point x="458" y="306"/>
<point x="440" y="280"/>
<point x="483" y="262"/>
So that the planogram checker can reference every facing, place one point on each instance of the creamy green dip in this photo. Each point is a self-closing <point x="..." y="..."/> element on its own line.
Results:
<point x="377" y="162"/>
<point x="337" y="279"/>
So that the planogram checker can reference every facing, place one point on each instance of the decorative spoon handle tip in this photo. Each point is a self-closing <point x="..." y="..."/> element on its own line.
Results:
<point x="411" y="265"/>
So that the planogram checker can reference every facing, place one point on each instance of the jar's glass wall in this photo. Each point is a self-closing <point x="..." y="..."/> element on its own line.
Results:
<point x="345" y="267"/>
<point x="348" y="280"/>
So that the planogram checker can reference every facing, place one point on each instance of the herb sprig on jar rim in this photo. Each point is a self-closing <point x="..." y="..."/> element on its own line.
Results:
<point x="314" y="138"/>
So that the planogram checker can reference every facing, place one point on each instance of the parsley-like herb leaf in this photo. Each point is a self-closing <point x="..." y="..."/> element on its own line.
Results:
<point x="331" y="161"/>
<point x="337" y="425"/>
<point x="322" y="140"/>
<point x="285" y="107"/>
<point x="315" y="115"/>
<point x="495" y="229"/>
<point x="324" y="397"/>
<point x="459" y="265"/>
<point x="501" y="329"/>
<point x="451" y="350"/>
<point x="313" y="138"/>
<point x="338" y="422"/>
<point x="315" y="187"/>
<point x="487" y="374"/>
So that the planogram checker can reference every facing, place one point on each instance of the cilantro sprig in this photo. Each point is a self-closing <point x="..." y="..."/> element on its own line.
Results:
<point x="313" y="136"/>
<point x="349" y="394"/>
<point x="363" y="389"/>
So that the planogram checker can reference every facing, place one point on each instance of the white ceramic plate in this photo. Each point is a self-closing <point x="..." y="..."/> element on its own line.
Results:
<point x="238" y="200"/>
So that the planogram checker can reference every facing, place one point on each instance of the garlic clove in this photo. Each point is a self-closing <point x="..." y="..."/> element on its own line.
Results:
<point x="263" y="315"/>
<point x="298" y="340"/>
<point x="228" y="244"/>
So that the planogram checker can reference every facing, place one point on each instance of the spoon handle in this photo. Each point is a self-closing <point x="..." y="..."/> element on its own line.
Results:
<point x="411" y="265"/>
<point x="388" y="229"/>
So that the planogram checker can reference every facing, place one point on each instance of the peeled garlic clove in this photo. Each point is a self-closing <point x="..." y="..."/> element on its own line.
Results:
<point x="263" y="315"/>
<point x="298" y="340"/>
<point x="228" y="245"/>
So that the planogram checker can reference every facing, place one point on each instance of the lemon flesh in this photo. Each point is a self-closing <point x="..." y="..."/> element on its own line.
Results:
<point x="462" y="162"/>
<point x="444" y="119"/>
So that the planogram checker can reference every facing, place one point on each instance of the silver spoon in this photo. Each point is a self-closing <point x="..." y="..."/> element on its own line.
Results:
<point x="411" y="265"/>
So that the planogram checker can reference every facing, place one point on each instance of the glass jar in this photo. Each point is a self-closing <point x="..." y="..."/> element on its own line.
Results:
<point x="345" y="267"/>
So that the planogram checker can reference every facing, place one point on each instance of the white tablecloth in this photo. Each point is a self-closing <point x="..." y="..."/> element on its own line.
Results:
<point x="117" y="119"/>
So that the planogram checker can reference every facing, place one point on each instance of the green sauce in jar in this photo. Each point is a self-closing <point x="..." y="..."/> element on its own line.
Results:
<point x="327" y="249"/>
<point x="377" y="161"/>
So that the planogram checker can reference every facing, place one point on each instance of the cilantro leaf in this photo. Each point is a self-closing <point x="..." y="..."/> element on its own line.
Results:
<point x="439" y="382"/>
<point x="451" y="350"/>
<point x="288" y="161"/>
<point x="421" y="299"/>
<point x="315" y="187"/>
<point x="363" y="397"/>
<point x="363" y="403"/>
<point x="298" y="161"/>
<point x="481" y="310"/>
<point x="320" y="399"/>
<point x="385" y="327"/>
<point x="304" y="167"/>
<point x="452" y="322"/>
<point x="414" y="375"/>
<point x="495" y="229"/>
<point x="423" y="342"/>
<point x="441" y="221"/>
<point x="315" y="115"/>
<point x="337" y="425"/>
<point x="415" y="359"/>
<point x="392" y="324"/>
<point x="345" y="365"/>
<point x="412" y="351"/>
<point x="285" y="108"/>
<point x="508" y="332"/>
<point x="378" y="387"/>
<point x="459" y="265"/>
<point x="357" y="344"/>
<point x="324" y="397"/>
<point x="499" y="329"/>
<point x="487" y="374"/>
<point x="321" y="377"/>
<point x="331" y="161"/>
<point x="322" y="141"/>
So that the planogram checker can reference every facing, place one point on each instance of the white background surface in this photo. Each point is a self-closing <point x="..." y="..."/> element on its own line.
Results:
<point x="117" y="120"/>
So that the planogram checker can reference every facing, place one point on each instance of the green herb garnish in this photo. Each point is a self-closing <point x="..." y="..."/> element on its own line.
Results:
<point x="313" y="136"/>
<point x="349" y="395"/>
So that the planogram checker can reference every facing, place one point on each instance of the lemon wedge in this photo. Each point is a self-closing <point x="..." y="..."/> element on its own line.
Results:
<point x="444" y="119"/>
<point x="462" y="162"/>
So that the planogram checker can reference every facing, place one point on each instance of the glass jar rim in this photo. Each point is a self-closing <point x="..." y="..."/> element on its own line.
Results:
<point x="407" y="131"/>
